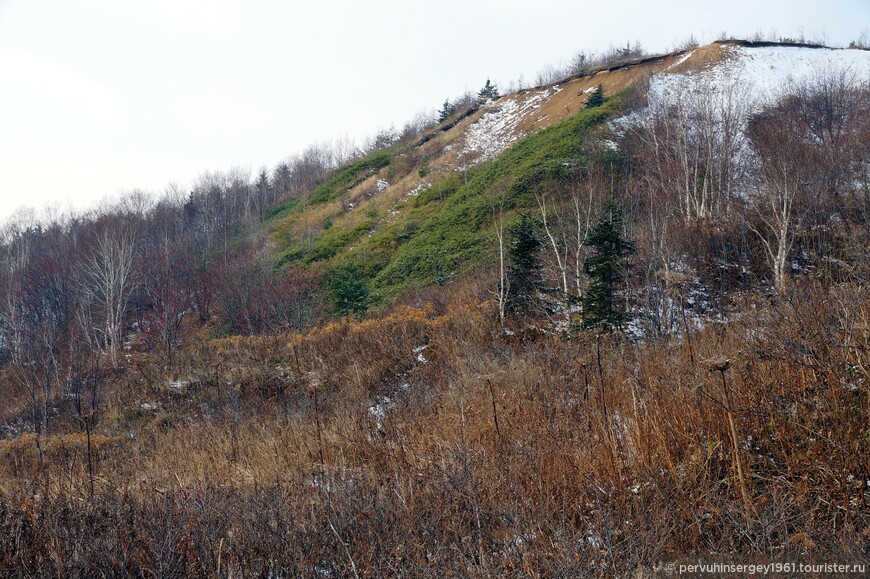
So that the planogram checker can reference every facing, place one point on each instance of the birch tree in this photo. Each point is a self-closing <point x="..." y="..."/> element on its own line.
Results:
<point x="784" y="171"/>
<point x="566" y="224"/>
<point x="560" y="248"/>
<point x="498" y="206"/>
<point x="107" y="279"/>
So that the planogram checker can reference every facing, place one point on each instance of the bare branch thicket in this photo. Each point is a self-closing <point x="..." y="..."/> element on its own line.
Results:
<point x="834" y="110"/>
<point x="809" y="158"/>
<point x="696" y="139"/>
<point x="37" y="308"/>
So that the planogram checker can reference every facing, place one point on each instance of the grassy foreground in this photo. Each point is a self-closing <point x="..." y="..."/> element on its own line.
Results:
<point x="346" y="452"/>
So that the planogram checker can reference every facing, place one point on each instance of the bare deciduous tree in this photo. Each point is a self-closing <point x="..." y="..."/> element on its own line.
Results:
<point x="498" y="207"/>
<point x="782" y="175"/>
<point x="36" y="313"/>
<point x="106" y="277"/>
<point x="560" y="248"/>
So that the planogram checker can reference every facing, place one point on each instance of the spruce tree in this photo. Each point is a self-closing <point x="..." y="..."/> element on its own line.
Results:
<point x="348" y="292"/>
<point x="580" y="63"/>
<point x="596" y="99"/>
<point x="489" y="91"/>
<point x="447" y="109"/>
<point x="525" y="272"/>
<point x="606" y="270"/>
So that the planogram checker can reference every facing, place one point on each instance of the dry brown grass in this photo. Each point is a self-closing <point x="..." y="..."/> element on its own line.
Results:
<point x="504" y="455"/>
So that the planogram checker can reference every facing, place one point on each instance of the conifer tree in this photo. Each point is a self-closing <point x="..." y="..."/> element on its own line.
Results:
<point x="580" y="63"/>
<point x="349" y="293"/>
<point x="525" y="270"/>
<point x="606" y="270"/>
<point x="489" y="91"/>
<point x="596" y="99"/>
<point x="447" y="109"/>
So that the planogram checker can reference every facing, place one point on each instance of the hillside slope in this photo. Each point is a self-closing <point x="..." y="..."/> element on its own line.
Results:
<point x="374" y="207"/>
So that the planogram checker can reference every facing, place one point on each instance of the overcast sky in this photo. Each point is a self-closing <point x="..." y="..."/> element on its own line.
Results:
<point x="103" y="96"/>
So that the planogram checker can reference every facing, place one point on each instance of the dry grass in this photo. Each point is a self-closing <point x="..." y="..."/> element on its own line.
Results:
<point x="503" y="455"/>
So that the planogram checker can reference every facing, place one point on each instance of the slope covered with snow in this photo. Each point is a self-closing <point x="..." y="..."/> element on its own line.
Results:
<point x="717" y="98"/>
<point x="762" y="73"/>
<point x="499" y="127"/>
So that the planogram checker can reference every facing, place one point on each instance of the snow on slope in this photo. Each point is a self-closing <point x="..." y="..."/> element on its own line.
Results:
<point x="765" y="72"/>
<point x="746" y="79"/>
<point x="498" y="128"/>
<point x="751" y="74"/>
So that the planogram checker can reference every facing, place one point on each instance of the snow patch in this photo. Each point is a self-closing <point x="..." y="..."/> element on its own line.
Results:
<point x="418" y="189"/>
<point x="765" y="72"/>
<point x="497" y="128"/>
<point x="683" y="59"/>
<point x="418" y="351"/>
<point x="378" y="410"/>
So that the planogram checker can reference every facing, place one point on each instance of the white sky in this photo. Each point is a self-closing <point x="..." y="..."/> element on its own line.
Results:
<point x="103" y="96"/>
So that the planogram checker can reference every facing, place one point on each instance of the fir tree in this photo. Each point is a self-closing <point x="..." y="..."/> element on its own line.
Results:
<point x="489" y="91"/>
<point x="606" y="271"/>
<point x="347" y="290"/>
<point x="596" y="99"/>
<point x="524" y="254"/>
<point x="580" y="63"/>
<point x="447" y="109"/>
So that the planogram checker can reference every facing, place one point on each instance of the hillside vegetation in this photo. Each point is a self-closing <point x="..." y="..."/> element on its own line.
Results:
<point x="565" y="331"/>
<point x="442" y="231"/>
